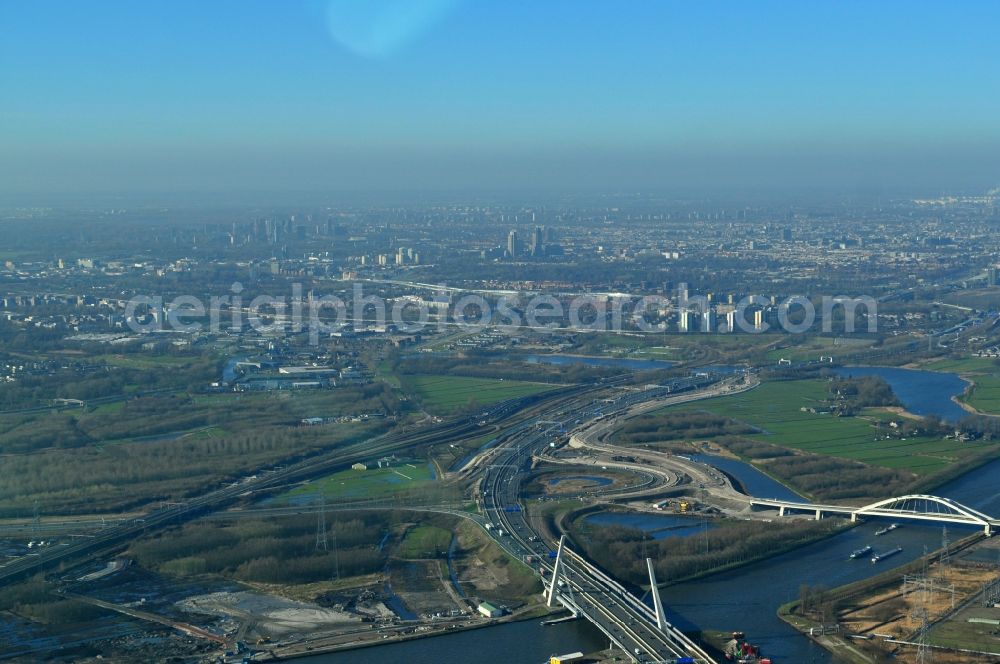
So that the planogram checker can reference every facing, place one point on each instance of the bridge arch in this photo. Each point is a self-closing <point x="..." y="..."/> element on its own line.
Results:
<point x="953" y="508"/>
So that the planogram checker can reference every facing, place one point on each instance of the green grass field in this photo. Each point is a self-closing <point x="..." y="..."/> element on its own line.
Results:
<point x="774" y="408"/>
<point x="446" y="455"/>
<point x="965" y="365"/>
<point x="984" y="395"/>
<point x="957" y="632"/>
<point x="207" y="432"/>
<point x="146" y="361"/>
<point x="425" y="542"/>
<point x="658" y="353"/>
<point x="374" y="482"/>
<point x="108" y="408"/>
<point x="650" y="342"/>
<point x="384" y="371"/>
<point x="811" y="348"/>
<point x="445" y="394"/>
<point x="984" y="373"/>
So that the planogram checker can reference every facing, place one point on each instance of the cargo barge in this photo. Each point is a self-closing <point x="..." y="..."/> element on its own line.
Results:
<point x="888" y="529"/>
<point x="888" y="554"/>
<point x="862" y="552"/>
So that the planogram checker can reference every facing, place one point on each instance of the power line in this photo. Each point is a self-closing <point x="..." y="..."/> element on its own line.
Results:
<point x="321" y="543"/>
<point x="923" y="586"/>
<point x="922" y="615"/>
<point x="336" y="555"/>
<point x="945" y="559"/>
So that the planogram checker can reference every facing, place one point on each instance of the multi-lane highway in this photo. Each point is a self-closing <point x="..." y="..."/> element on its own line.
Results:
<point x="526" y="432"/>
<point x="513" y="412"/>
<point x="627" y="621"/>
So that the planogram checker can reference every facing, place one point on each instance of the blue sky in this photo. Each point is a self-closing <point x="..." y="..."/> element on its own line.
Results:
<point x="452" y="94"/>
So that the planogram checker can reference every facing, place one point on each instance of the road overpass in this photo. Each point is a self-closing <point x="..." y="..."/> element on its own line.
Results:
<point x="916" y="507"/>
<point x="626" y="620"/>
<point x="642" y="632"/>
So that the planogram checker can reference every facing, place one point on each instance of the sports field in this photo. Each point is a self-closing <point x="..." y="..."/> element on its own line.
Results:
<point x="374" y="482"/>
<point x="775" y="408"/>
<point x="445" y="394"/>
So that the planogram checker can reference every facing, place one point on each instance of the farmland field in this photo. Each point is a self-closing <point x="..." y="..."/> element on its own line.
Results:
<point x="965" y="365"/>
<point x="984" y="395"/>
<point x="775" y="409"/>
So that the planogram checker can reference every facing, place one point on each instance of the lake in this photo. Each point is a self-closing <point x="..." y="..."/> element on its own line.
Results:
<point x="920" y="392"/>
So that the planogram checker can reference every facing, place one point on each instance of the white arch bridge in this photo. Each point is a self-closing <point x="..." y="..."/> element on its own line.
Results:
<point x="916" y="507"/>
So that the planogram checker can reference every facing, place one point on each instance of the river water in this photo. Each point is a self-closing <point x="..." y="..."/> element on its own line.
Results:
<point x="744" y="599"/>
<point x="921" y="392"/>
<point x="526" y="642"/>
<point x="747" y="598"/>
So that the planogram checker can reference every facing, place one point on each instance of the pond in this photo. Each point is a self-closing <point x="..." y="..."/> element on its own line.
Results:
<point x="660" y="526"/>
<point x="755" y="482"/>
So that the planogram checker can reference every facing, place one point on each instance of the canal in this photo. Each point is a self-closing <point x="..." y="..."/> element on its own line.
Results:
<point x="745" y="599"/>
<point x="526" y="642"/>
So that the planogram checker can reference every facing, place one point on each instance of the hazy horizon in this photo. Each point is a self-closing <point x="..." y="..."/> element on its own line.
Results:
<point x="444" y="95"/>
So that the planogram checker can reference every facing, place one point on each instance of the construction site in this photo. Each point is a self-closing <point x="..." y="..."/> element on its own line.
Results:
<point x="943" y="608"/>
<point x="209" y="589"/>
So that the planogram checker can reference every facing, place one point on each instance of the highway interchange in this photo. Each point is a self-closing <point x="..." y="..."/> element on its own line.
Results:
<point x="109" y="538"/>
<point x="628" y="622"/>
<point x="527" y="426"/>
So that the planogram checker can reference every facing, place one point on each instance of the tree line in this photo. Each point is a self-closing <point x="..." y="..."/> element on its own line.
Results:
<point x="689" y="425"/>
<point x="725" y="544"/>
<point x="270" y="551"/>
<point x="126" y="476"/>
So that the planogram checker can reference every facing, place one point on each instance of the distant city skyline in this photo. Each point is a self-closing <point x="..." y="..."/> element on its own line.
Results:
<point x="446" y="95"/>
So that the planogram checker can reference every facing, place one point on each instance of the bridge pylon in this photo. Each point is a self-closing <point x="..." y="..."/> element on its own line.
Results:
<point x="554" y="585"/>
<point x="661" y="617"/>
